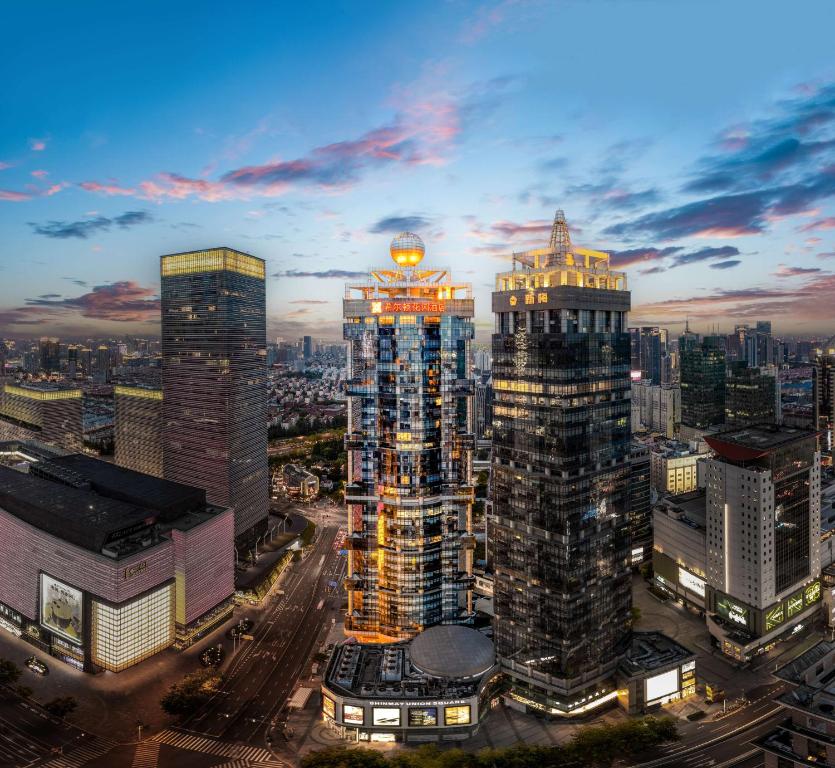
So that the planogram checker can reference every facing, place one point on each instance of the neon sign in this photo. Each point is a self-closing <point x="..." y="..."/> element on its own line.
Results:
<point x="380" y="307"/>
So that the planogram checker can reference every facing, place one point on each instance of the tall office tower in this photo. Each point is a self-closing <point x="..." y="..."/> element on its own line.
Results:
<point x="307" y="344"/>
<point x="702" y="383"/>
<point x="483" y="406"/>
<point x="752" y="395"/>
<point x="214" y="380"/>
<point x="640" y="504"/>
<point x="765" y="343"/>
<point x="3" y="353"/>
<point x="763" y="536"/>
<point x="103" y="368"/>
<point x="86" y="358"/>
<point x="32" y="361"/>
<point x="559" y="528"/>
<point x="44" y="412"/>
<point x="823" y="396"/>
<point x="72" y="360"/>
<point x="138" y="429"/>
<point x="410" y="444"/>
<point x="736" y="343"/>
<point x="483" y="362"/>
<point x="50" y="353"/>
<point x="652" y="351"/>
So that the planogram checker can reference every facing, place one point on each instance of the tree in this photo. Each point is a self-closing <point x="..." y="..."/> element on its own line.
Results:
<point x="340" y="757"/>
<point x="191" y="692"/>
<point x="9" y="672"/>
<point x="61" y="706"/>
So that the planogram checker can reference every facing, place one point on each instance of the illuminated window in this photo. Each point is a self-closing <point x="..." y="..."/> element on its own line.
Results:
<point x="125" y="635"/>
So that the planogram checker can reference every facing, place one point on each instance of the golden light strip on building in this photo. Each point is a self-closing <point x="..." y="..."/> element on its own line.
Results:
<point x="148" y="394"/>
<point x="41" y="394"/>
<point x="212" y="260"/>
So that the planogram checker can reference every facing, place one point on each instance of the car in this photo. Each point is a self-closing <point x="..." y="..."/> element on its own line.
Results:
<point x="36" y="665"/>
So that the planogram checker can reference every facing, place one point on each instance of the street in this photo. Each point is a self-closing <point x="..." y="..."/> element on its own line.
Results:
<point x="261" y="677"/>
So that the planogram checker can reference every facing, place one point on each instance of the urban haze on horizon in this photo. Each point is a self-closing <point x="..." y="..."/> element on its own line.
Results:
<point x="446" y="383"/>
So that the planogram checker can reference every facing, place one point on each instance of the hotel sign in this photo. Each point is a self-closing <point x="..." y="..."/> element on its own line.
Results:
<point x="392" y="307"/>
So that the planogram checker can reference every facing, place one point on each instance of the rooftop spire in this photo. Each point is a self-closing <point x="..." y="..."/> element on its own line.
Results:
<point x="560" y="239"/>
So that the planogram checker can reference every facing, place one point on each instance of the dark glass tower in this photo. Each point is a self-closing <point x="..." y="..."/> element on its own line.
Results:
<point x="558" y="535"/>
<point x="409" y="443"/>
<point x="214" y="380"/>
<point x="702" y="381"/>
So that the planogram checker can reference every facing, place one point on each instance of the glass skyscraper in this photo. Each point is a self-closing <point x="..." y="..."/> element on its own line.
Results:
<point x="558" y="535"/>
<point x="214" y="379"/>
<point x="702" y="381"/>
<point x="409" y="441"/>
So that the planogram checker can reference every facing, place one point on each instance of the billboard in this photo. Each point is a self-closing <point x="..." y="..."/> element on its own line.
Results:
<point x="328" y="707"/>
<point x="459" y="715"/>
<point x="386" y="716"/>
<point x="661" y="685"/>
<point x="352" y="714"/>
<point x="691" y="582"/>
<point x="423" y="716"/>
<point x="62" y="609"/>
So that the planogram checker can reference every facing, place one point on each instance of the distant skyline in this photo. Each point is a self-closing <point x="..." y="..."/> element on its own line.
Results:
<point x="698" y="148"/>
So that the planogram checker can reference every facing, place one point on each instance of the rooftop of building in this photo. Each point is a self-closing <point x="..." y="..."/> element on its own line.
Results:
<point x="755" y="441"/>
<point x="99" y="507"/>
<point x="15" y="452"/>
<point x="687" y="511"/>
<point x="649" y="651"/>
<point x="445" y="660"/>
<point x="165" y="497"/>
<point x="813" y="674"/>
<point x="672" y="449"/>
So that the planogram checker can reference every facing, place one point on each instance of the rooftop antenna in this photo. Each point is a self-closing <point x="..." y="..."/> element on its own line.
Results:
<point x="560" y="239"/>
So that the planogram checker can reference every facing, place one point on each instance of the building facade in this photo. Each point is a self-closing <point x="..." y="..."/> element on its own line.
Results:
<point x="44" y="412"/>
<point x="656" y="407"/>
<point x="674" y="467"/>
<point x="702" y="382"/>
<point x="409" y="441"/>
<point x="138" y="429"/>
<point x="214" y="381"/>
<point x="763" y="536"/>
<point x="752" y="395"/>
<point x="640" y="504"/>
<point x="103" y="567"/>
<point x="823" y="389"/>
<point x="559" y="528"/>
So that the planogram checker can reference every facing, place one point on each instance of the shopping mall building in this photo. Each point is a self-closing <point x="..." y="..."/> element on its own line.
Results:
<point x="102" y="566"/>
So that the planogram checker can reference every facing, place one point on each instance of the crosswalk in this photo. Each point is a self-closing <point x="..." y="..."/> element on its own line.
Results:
<point x="81" y="755"/>
<point x="242" y="755"/>
<point x="146" y="755"/>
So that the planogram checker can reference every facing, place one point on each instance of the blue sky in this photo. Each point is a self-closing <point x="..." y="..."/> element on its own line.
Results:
<point x="693" y="140"/>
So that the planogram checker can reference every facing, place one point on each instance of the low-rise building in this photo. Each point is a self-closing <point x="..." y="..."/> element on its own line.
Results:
<point x="674" y="467"/>
<point x="103" y="567"/>
<point x="806" y="737"/>
<point x="436" y="687"/>
<point x="299" y="483"/>
<point x="679" y="540"/>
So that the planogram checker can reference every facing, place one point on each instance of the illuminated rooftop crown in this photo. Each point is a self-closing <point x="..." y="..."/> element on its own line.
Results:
<point x="407" y="249"/>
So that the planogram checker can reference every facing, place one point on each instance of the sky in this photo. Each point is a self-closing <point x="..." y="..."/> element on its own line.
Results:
<point x="694" y="141"/>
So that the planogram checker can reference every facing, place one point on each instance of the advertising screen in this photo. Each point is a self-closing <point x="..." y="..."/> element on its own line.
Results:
<point x="661" y="685"/>
<point x="421" y="716"/>
<point x="352" y="714"/>
<point x="457" y="715"/>
<point x="61" y="609"/>
<point x="691" y="582"/>
<point x="328" y="707"/>
<point x="386" y="716"/>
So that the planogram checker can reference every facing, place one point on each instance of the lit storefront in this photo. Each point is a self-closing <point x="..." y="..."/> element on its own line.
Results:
<point x="437" y="687"/>
<point x="99" y="581"/>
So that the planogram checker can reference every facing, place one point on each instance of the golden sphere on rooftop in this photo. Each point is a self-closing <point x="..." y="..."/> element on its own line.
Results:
<point x="407" y="249"/>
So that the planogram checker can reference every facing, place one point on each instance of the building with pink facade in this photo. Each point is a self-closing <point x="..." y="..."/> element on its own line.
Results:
<point x="103" y="567"/>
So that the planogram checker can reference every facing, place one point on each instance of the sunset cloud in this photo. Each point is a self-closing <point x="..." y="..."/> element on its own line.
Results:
<point x="124" y="301"/>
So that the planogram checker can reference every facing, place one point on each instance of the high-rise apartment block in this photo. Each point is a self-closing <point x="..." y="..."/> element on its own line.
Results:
<point x="409" y="443"/>
<point x="656" y="407"/>
<point x="214" y="380"/>
<point x="702" y="382"/>
<point x="763" y="535"/>
<point x="559" y="529"/>
<point x="138" y="429"/>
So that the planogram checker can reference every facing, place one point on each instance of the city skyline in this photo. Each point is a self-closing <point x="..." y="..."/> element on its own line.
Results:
<point x="712" y="186"/>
